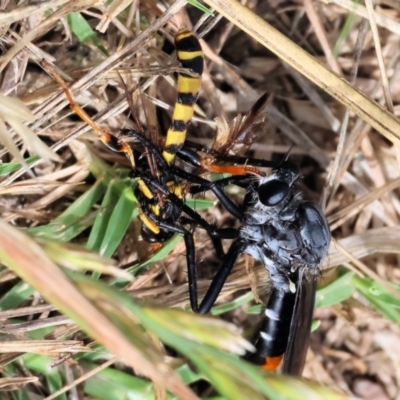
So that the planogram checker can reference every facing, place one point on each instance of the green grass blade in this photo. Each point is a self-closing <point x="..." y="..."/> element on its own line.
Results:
<point x="118" y="224"/>
<point x="382" y="300"/>
<point x="99" y="228"/>
<point x="159" y="255"/>
<point x="111" y="384"/>
<point x="8" y="168"/>
<point x="233" y="305"/>
<point x="339" y="290"/>
<point x="345" y="32"/>
<point x="199" y="204"/>
<point x="200" y="6"/>
<point x="83" y="31"/>
<point x="41" y="365"/>
<point x="15" y="296"/>
<point x="76" y="214"/>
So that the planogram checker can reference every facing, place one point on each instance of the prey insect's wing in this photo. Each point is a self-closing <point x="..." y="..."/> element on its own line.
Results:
<point x="132" y="107"/>
<point x="300" y="326"/>
<point x="236" y="138"/>
<point x="243" y="131"/>
<point x="134" y="111"/>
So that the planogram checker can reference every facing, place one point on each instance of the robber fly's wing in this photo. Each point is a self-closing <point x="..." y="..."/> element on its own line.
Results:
<point x="300" y="326"/>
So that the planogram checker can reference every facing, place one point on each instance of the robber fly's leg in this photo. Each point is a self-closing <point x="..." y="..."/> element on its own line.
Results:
<point x="190" y="156"/>
<point x="219" y="279"/>
<point x="215" y="234"/>
<point x="242" y="181"/>
<point x="229" y="205"/>
<point x="220" y="233"/>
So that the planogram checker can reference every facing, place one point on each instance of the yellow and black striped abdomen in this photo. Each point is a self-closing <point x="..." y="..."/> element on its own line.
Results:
<point x="190" y="54"/>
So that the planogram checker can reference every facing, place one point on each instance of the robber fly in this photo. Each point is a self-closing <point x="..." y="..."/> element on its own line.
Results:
<point x="288" y="235"/>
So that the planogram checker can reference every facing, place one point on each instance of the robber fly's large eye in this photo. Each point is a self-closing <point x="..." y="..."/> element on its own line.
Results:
<point x="273" y="192"/>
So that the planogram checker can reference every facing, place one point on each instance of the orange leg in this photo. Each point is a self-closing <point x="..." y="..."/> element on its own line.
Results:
<point x="108" y="139"/>
<point x="232" y="169"/>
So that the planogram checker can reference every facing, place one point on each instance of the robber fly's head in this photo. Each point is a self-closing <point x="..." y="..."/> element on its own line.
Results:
<point x="274" y="189"/>
<point x="273" y="196"/>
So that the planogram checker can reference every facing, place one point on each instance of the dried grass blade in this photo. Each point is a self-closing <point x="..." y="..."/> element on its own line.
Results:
<point x="52" y="347"/>
<point x="367" y="109"/>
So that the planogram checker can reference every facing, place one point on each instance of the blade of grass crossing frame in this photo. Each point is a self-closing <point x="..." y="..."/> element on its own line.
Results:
<point x="379" y="297"/>
<point x="118" y="224"/>
<point x="233" y="305"/>
<point x="159" y="255"/>
<point x="8" y="168"/>
<point x="99" y="228"/>
<point x="91" y="309"/>
<point x="79" y="259"/>
<point x="232" y="377"/>
<point x="75" y="213"/>
<point x="199" y="338"/>
<point x="339" y="290"/>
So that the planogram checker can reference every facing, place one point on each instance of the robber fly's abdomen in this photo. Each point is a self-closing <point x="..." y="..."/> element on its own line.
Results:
<point x="272" y="338"/>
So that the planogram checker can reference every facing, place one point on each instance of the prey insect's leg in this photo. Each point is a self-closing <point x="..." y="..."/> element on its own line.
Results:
<point x="108" y="139"/>
<point x="218" y="281"/>
<point x="192" y="157"/>
<point x="190" y="256"/>
<point x="221" y="233"/>
<point x="202" y="183"/>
